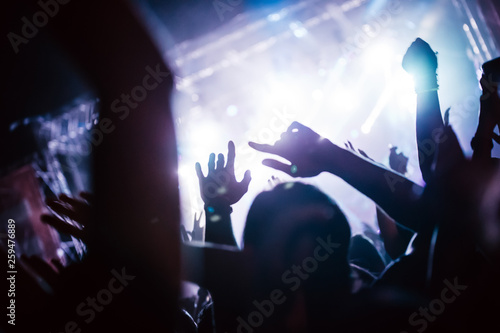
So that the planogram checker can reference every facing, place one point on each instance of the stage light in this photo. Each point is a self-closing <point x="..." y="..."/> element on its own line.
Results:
<point x="285" y="91"/>
<point x="378" y="55"/>
<point x="366" y="128"/>
<point x="298" y="29"/>
<point x="345" y="100"/>
<point x="203" y="139"/>
<point x="185" y="171"/>
<point x="317" y="95"/>
<point x="405" y="92"/>
<point x="232" y="110"/>
<point x="257" y="76"/>
<point x="274" y="17"/>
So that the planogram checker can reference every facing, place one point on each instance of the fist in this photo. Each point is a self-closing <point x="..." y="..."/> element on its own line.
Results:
<point x="420" y="59"/>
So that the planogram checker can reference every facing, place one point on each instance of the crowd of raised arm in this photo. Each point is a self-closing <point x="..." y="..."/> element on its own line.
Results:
<point x="433" y="265"/>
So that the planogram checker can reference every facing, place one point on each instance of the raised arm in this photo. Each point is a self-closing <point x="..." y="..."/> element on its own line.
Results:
<point x="310" y="154"/>
<point x="396" y="238"/>
<point x="489" y="117"/>
<point x="219" y="190"/>
<point x="421" y="62"/>
<point x="211" y="266"/>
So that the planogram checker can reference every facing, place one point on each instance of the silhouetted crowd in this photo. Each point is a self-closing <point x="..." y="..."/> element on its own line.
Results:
<point x="432" y="266"/>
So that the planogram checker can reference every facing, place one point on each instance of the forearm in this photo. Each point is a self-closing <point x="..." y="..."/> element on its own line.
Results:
<point x="429" y="128"/>
<point x="394" y="193"/>
<point x="395" y="238"/>
<point x="219" y="229"/>
<point x="386" y="225"/>
<point x="209" y="265"/>
<point x="482" y="143"/>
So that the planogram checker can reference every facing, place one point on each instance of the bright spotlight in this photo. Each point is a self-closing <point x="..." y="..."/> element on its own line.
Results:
<point x="204" y="139"/>
<point x="274" y="17"/>
<point x="232" y="110"/>
<point x="185" y="171"/>
<point x="317" y="95"/>
<point x="283" y="93"/>
<point x="377" y="55"/>
<point x="345" y="100"/>
<point x="298" y="29"/>
<point x="366" y="127"/>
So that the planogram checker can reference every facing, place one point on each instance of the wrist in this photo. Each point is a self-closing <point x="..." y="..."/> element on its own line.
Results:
<point x="334" y="158"/>
<point x="426" y="83"/>
<point x="218" y="206"/>
<point x="481" y="142"/>
<point x="485" y="128"/>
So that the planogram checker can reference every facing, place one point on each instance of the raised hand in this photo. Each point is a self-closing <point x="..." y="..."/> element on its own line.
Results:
<point x="198" y="231"/>
<point x="302" y="147"/>
<point x="420" y="59"/>
<point x="447" y="117"/>
<point x="196" y="234"/>
<point x="219" y="190"/>
<point x="73" y="215"/>
<point x="273" y="181"/>
<point x="398" y="161"/>
<point x="184" y="234"/>
<point x="349" y="145"/>
<point x="309" y="154"/>
<point x="421" y="62"/>
<point x="220" y="182"/>
<point x="489" y="115"/>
